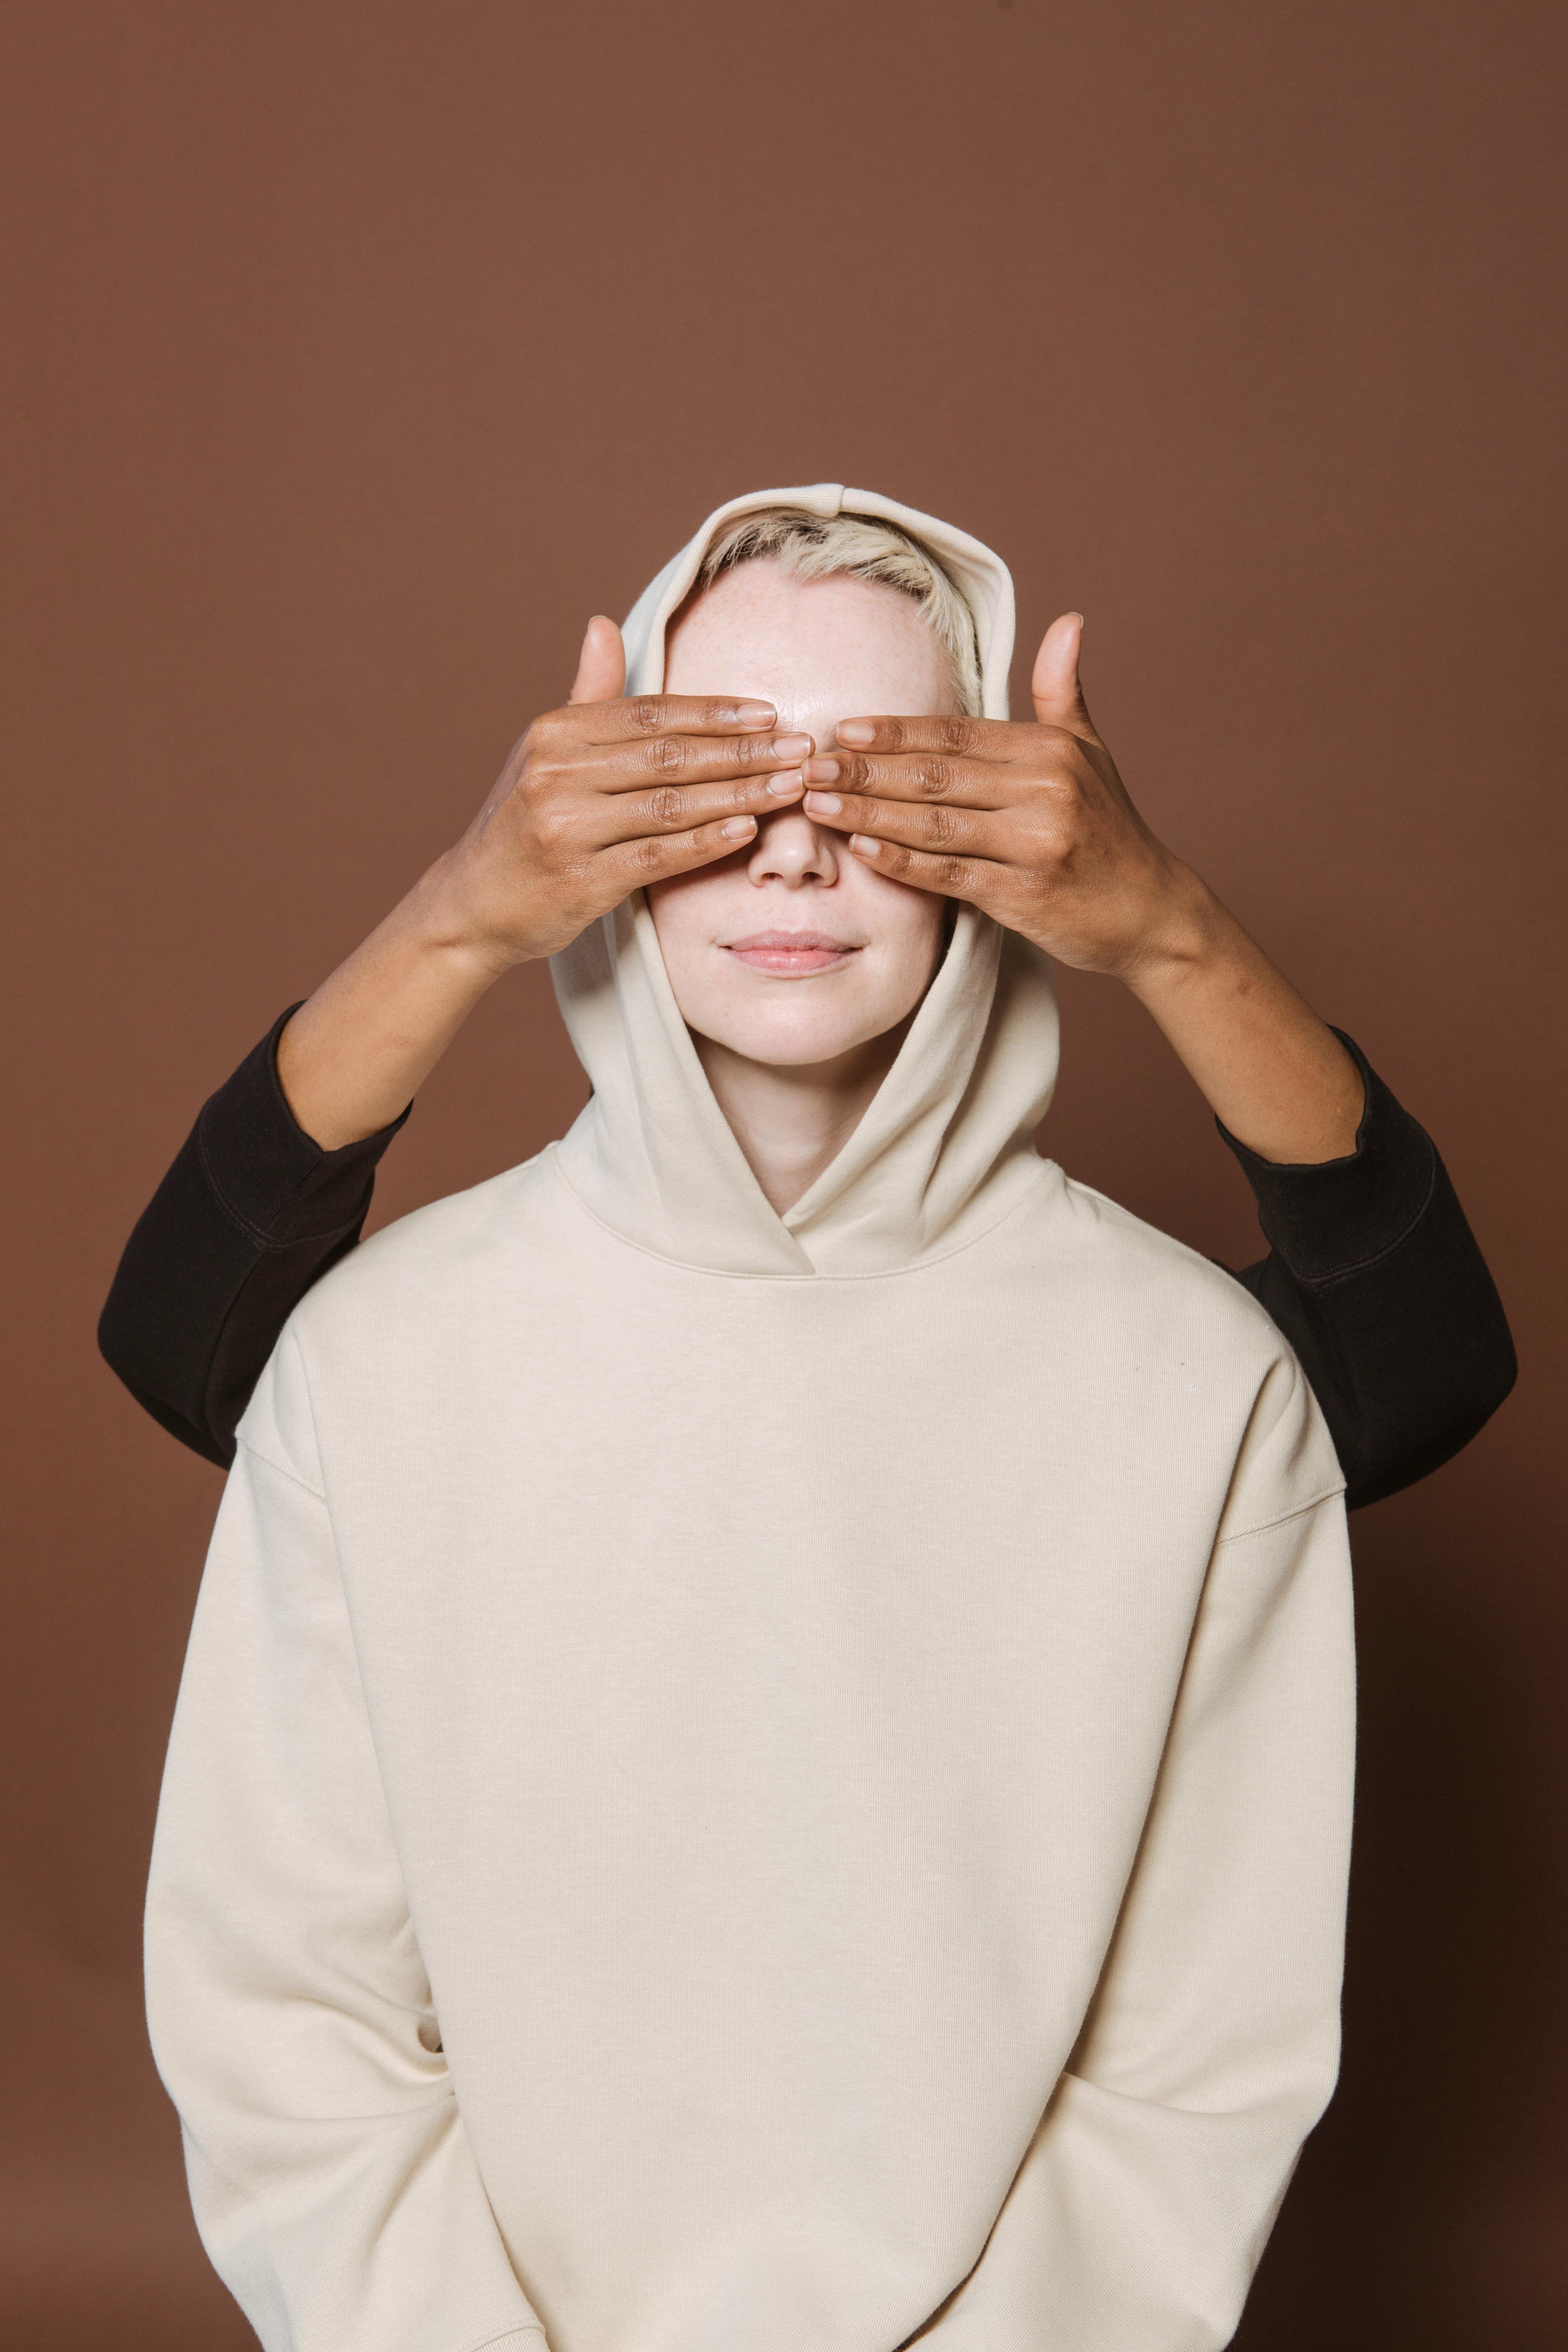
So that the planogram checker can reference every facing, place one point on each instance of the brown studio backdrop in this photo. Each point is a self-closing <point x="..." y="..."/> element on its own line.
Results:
<point x="359" y="354"/>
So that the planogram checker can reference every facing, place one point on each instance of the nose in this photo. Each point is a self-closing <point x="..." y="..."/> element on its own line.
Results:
<point x="792" y="850"/>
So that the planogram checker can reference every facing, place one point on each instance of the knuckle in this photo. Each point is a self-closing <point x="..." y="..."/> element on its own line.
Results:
<point x="552" y="824"/>
<point x="667" y="754"/>
<point x="664" y="807"/>
<point x="941" y="826"/>
<point x="959" y="734"/>
<point x="932" y="776"/>
<point x="542" y="768"/>
<point x="649" y="854"/>
<point x="951" y="874"/>
<point x="544" y="806"/>
<point x="645" y="713"/>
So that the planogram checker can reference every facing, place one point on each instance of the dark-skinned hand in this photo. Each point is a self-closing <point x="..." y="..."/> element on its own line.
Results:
<point x="1027" y="820"/>
<point x="606" y="794"/>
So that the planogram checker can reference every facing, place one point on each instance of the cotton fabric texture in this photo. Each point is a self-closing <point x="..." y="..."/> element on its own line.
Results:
<point x="747" y="1784"/>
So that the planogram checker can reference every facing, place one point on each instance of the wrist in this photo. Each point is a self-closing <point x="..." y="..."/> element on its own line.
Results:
<point x="448" y="930"/>
<point x="1189" y="935"/>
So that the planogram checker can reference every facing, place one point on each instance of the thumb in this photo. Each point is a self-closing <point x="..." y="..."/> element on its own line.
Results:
<point x="602" y="663"/>
<point x="1058" y="697"/>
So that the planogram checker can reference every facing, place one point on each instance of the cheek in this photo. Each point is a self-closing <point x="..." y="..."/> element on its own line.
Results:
<point x="913" y="927"/>
<point x="687" y="909"/>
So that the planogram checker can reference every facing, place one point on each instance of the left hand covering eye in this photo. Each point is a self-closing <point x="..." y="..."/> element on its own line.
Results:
<point x="1029" y="820"/>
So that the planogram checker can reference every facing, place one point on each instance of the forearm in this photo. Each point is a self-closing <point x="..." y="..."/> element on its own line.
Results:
<point x="1271" y="1071"/>
<point x="356" y="1053"/>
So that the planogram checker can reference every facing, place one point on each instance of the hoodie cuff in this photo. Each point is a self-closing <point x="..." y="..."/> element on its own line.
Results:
<point x="268" y="1174"/>
<point x="1332" y="1217"/>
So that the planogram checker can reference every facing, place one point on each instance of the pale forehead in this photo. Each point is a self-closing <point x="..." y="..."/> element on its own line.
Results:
<point x="819" y="650"/>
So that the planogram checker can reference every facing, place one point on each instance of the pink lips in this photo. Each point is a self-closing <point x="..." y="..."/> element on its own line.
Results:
<point x="786" y="953"/>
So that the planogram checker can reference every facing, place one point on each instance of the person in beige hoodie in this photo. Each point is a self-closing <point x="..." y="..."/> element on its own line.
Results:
<point x="765" y="1754"/>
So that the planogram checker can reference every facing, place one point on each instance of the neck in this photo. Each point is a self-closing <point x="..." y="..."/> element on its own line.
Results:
<point x="792" y="1120"/>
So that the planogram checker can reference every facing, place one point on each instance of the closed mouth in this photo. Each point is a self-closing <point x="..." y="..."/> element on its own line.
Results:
<point x="791" y="954"/>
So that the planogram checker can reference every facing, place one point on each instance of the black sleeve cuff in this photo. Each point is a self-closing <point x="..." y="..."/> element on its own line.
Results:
<point x="275" y="1182"/>
<point x="1332" y="1217"/>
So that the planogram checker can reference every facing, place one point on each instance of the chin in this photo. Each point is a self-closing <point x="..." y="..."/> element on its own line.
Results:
<point x="796" y="1036"/>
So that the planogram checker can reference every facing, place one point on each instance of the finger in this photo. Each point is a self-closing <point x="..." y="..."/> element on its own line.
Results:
<point x="677" y="808"/>
<point x="935" y="827"/>
<point x="977" y="879"/>
<point x="635" y="864"/>
<point x="911" y="776"/>
<point x="1056" y="686"/>
<point x="648" y="715"/>
<point x="947" y="735"/>
<point x="690" y="760"/>
<point x="601" y="665"/>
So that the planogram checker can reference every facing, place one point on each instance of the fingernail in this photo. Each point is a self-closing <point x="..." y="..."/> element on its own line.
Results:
<point x="786" y="787"/>
<point x="823" y="771"/>
<point x="755" y="714"/>
<point x="791" y="747"/>
<point x="738" y="827"/>
<point x="1079" y="619"/>
<point x="864" y="846"/>
<point x="824" y="803"/>
<point x="855" y="731"/>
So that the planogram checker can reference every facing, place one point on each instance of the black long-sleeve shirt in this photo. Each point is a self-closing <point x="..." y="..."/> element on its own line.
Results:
<point x="1373" y="1274"/>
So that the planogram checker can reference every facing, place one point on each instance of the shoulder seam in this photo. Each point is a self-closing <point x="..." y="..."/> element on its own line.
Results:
<point x="1266" y="1527"/>
<point x="292" y="1475"/>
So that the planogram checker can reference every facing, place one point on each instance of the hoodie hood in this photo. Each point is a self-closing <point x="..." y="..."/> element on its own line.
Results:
<point x="946" y="1148"/>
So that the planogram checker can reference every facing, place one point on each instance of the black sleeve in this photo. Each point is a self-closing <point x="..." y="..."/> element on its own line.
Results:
<point x="1375" y="1279"/>
<point x="250" y="1215"/>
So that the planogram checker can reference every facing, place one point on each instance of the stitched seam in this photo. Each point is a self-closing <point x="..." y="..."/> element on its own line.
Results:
<point x="253" y="1232"/>
<point x="1266" y="1526"/>
<point x="1365" y="1265"/>
<point x="1131" y="2099"/>
<point x="729" y="1273"/>
<point x="292" y="1475"/>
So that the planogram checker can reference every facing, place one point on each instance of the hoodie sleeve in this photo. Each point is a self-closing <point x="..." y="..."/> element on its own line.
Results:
<point x="1144" y="2202"/>
<point x="329" y="2169"/>
<point x="250" y="1215"/>
<point x="1375" y="1279"/>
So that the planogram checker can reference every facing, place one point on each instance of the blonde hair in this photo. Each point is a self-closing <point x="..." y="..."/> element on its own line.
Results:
<point x="817" y="546"/>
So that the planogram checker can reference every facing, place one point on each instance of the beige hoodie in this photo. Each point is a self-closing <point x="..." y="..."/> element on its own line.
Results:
<point x="758" y="1785"/>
